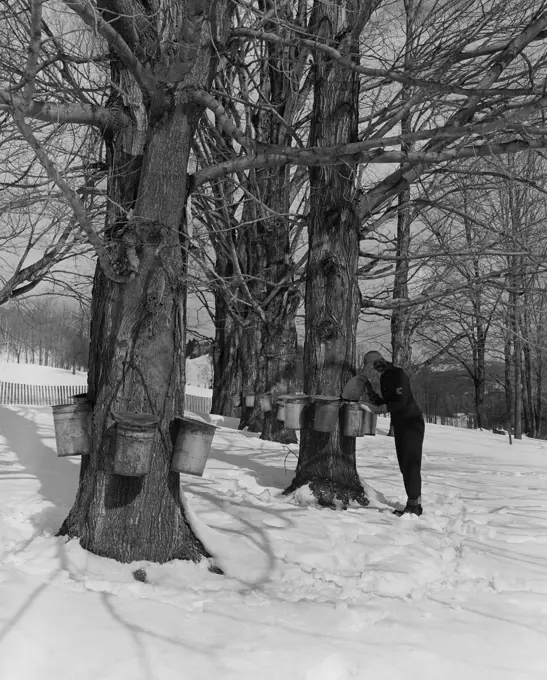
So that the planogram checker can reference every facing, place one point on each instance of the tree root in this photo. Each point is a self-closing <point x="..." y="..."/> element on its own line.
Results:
<point x="333" y="495"/>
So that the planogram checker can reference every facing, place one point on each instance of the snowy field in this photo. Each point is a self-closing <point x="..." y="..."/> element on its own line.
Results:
<point x="309" y="593"/>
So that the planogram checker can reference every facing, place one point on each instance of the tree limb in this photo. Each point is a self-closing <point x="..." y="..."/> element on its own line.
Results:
<point x="404" y="303"/>
<point x="143" y="76"/>
<point x="35" y="31"/>
<point x="387" y="74"/>
<point x="431" y="360"/>
<point x="79" y="114"/>
<point x="71" y="197"/>
<point x="208" y="101"/>
<point x="352" y="153"/>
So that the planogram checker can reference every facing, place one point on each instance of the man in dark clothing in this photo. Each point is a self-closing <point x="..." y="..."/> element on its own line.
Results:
<point x="406" y="418"/>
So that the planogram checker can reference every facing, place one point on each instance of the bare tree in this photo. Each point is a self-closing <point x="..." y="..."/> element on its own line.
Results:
<point x="162" y="58"/>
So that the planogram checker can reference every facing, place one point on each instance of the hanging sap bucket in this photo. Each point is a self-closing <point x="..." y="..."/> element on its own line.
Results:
<point x="72" y="424"/>
<point x="294" y="410"/>
<point x="326" y="413"/>
<point x="265" y="400"/>
<point x="357" y="422"/>
<point x="281" y="411"/>
<point x="249" y="398"/>
<point x="192" y="445"/>
<point x="135" y="434"/>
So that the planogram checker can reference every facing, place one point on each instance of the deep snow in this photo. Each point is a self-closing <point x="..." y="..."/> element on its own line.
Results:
<point x="309" y="593"/>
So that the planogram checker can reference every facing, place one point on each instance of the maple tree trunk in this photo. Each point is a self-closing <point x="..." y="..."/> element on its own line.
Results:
<point x="327" y="460"/>
<point x="137" y="363"/>
<point x="269" y="341"/>
<point x="226" y="352"/>
<point x="137" y="353"/>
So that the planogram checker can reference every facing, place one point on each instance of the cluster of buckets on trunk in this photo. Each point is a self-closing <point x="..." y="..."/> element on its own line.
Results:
<point x="135" y="435"/>
<point x="357" y="419"/>
<point x="136" y="432"/>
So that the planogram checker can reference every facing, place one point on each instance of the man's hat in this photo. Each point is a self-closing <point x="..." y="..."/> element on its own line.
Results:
<point x="371" y="357"/>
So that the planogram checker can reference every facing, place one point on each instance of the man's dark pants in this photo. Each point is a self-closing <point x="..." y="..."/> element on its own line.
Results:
<point x="409" y="438"/>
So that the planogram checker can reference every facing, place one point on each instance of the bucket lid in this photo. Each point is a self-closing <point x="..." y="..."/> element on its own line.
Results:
<point x="138" y="420"/>
<point x="324" y="397"/>
<point x="293" y="397"/>
<point x="196" y="421"/>
<point x="72" y="407"/>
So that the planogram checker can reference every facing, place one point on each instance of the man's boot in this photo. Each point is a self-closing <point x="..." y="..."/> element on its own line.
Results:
<point x="413" y="507"/>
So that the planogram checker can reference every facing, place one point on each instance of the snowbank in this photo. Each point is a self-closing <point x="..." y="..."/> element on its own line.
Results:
<point x="308" y="593"/>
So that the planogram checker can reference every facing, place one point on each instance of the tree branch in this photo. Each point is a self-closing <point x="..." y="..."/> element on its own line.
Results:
<point x="143" y="76"/>
<point x="35" y="272"/>
<point x="35" y="30"/>
<point x="405" y="303"/>
<point x="431" y="360"/>
<point x="71" y="197"/>
<point x="79" y="114"/>
<point x="208" y="101"/>
<point x="353" y="153"/>
<point x="387" y="74"/>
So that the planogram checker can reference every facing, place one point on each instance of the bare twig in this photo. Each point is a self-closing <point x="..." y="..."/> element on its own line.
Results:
<point x="143" y="76"/>
<point x="71" y="196"/>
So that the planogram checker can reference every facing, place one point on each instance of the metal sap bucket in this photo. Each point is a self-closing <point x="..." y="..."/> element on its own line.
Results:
<point x="281" y="411"/>
<point x="192" y="446"/>
<point x="356" y="422"/>
<point x="249" y="398"/>
<point x="294" y="410"/>
<point x="265" y="400"/>
<point x="326" y="413"/>
<point x="72" y="424"/>
<point x="135" y="434"/>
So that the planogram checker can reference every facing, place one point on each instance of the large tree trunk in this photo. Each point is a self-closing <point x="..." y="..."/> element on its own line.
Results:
<point x="400" y="327"/>
<point x="270" y="339"/>
<point x="226" y="351"/>
<point x="508" y="375"/>
<point x="137" y="353"/>
<point x="327" y="460"/>
<point x="539" y="366"/>
<point x="528" y="373"/>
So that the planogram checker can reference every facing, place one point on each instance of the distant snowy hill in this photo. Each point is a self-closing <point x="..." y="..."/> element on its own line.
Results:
<point x="32" y="374"/>
<point x="199" y="371"/>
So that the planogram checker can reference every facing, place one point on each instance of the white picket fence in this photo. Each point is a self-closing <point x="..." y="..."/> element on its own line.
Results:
<point x="198" y="404"/>
<point x="38" y="395"/>
<point x="47" y="395"/>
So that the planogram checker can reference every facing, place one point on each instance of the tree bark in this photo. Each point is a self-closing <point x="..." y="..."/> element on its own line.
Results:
<point x="137" y="354"/>
<point x="327" y="460"/>
<point x="226" y="349"/>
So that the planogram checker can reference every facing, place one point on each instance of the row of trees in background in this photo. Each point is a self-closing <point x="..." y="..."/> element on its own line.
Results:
<point x="302" y="153"/>
<point x="476" y="284"/>
<point x="45" y="333"/>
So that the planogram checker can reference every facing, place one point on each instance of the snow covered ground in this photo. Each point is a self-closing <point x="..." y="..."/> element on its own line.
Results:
<point x="309" y="593"/>
<point x="32" y="374"/>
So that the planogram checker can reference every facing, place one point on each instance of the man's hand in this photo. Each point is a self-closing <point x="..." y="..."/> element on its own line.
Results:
<point x="371" y="394"/>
